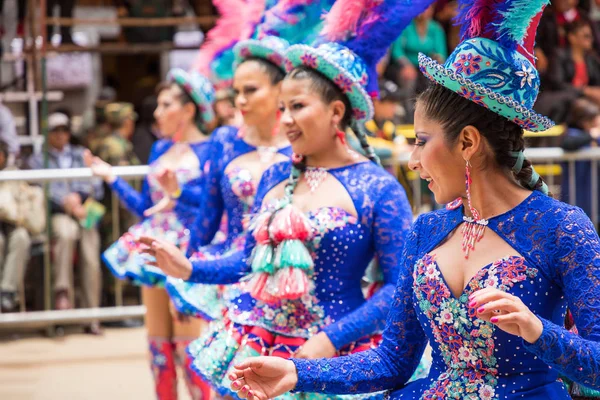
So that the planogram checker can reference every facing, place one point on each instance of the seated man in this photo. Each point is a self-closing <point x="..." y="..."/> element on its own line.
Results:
<point x="67" y="208"/>
<point x="15" y="242"/>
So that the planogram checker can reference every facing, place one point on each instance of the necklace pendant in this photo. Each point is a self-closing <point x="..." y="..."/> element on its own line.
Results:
<point x="472" y="232"/>
<point x="266" y="153"/>
<point x="314" y="177"/>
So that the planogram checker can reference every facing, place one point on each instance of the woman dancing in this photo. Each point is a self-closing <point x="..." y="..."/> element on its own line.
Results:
<point x="488" y="279"/>
<point x="184" y="111"/>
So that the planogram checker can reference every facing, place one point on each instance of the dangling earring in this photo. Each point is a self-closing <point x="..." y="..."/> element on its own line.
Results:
<point x="297" y="158"/>
<point x="474" y="226"/>
<point x="276" y="127"/>
<point x="341" y="135"/>
<point x="178" y="133"/>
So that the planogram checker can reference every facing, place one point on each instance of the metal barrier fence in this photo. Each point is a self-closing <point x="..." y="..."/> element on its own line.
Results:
<point x="50" y="318"/>
<point x="539" y="156"/>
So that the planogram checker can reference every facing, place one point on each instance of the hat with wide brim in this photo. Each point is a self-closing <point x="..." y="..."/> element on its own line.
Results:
<point x="341" y="66"/>
<point x="269" y="48"/>
<point x="199" y="88"/>
<point x="499" y="79"/>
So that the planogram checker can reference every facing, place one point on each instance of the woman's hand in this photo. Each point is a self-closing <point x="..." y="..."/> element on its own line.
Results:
<point x="99" y="168"/>
<point x="262" y="378"/>
<point x="165" y="204"/>
<point x="507" y="312"/>
<point x="168" y="257"/>
<point x="318" y="346"/>
<point x="168" y="181"/>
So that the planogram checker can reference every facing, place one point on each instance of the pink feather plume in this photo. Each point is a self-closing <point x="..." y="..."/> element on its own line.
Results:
<point x="343" y="18"/>
<point x="237" y="21"/>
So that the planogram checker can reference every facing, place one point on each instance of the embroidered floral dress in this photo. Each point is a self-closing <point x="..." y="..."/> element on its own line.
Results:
<point x="560" y="266"/>
<point x="230" y="190"/>
<point x="123" y="258"/>
<point x="344" y="246"/>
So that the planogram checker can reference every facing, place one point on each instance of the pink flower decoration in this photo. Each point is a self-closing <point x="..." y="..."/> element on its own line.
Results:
<point x="275" y="58"/>
<point x="467" y="64"/>
<point x="471" y="95"/>
<point x="309" y="60"/>
<point x="245" y="52"/>
<point x="344" y="83"/>
<point x="359" y="114"/>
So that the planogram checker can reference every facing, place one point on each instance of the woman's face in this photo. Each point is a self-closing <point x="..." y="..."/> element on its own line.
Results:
<point x="224" y="110"/>
<point x="171" y="114"/>
<point x="436" y="161"/>
<point x="307" y="121"/>
<point x="582" y="38"/>
<point x="255" y="96"/>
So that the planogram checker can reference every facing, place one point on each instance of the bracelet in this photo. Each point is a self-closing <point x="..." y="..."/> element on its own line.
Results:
<point x="177" y="194"/>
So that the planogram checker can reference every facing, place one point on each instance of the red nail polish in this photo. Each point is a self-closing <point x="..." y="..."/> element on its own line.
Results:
<point x="494" y="320"/>
<point x="473" y="303"/>
<point x="481" y="309"/>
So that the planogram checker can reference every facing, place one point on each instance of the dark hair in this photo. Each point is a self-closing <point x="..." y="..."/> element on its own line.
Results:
<point x="184" y="98"/>
<point x="505" y="137"/>
<point x="582" y="111"/>
<point x="575" y="26"/>
<point x="274" y="73"/>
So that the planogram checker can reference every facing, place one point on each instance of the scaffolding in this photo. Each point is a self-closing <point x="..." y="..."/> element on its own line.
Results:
<point x="34" y="55"/>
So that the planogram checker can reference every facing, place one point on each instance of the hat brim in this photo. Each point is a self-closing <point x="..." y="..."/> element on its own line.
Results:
<point x="307" y="56"/>
<point x="485" y="97"/>
<point x="255" y="48"/>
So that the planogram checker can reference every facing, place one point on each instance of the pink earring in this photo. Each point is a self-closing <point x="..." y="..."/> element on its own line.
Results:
<point x="468" y="183"/>
<point x="474" y="226"/>
<point x="297" y="158"/>
<point x="276" y="127"/>
<point x="341" y="135"/>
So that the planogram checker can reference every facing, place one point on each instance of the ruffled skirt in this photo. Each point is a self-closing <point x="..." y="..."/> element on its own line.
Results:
<point x="204" y="301"/>
<point x="226" y="344"/>
<point x="124" y="257"/>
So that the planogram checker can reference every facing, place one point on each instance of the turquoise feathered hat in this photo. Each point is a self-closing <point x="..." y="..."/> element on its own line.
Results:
<point x="494" y="65"/>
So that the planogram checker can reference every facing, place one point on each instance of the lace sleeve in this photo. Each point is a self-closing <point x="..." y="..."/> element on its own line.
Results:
<point x="135" y="201"/>
<point x="392" y="219"/>
<point x="386" y="367"/>
<point x="210" y="209"/>
<point x="232" y="268"/>
<point x="577" y="269"/>
<point x="208" y="156"/>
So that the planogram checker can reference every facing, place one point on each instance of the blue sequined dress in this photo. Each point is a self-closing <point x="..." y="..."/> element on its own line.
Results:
<point x="343" y="247"/>
<point x="230" y="190"/>
<point x="558" y="265"/>
<point x="123" y="257"/>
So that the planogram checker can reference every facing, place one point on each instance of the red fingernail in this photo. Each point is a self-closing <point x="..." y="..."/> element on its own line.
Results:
<point x="480" y="309"/>
<point x="473" y="303"/>
<point x="494" y="320"/>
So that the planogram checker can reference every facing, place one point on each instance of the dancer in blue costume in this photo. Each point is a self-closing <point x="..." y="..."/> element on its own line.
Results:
<point x="488" y="279"/>
<point x="184" y="108"/>
<point x="319" y="221"/>
<point x="234" y="187"/>
<point x="236" y="169"/>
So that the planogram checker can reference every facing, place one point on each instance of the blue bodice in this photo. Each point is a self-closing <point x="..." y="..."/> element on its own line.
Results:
<point x="191" y="182"/>
<point x="344" y="246"/>
<point x="229" y="190"/>
<point x="558" y="265"/>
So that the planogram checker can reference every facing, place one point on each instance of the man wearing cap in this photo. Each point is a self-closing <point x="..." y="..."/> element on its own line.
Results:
<point x="67" y="200"/>
<point x="116" y="149"/>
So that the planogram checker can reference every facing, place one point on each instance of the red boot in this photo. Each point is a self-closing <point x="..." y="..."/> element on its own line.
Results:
<point x="198" y="388"/>
<point x="162" y="363"/>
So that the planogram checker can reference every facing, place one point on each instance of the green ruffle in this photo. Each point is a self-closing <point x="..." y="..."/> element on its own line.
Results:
<point x="263" y="258"/>
<point x="293" y="254"/>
